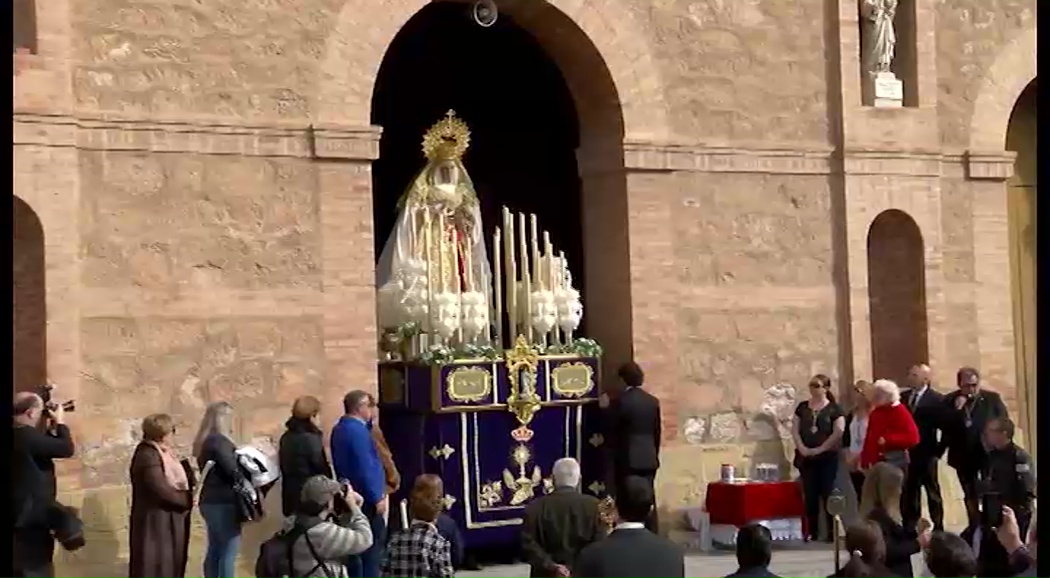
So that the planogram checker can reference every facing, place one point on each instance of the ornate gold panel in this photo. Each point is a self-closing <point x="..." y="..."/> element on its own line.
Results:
<point x="573" y="380"/>
<point x="469" y="384"/>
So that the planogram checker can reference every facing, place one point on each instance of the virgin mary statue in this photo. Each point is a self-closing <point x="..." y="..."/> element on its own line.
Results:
<point x="433" y="275"/>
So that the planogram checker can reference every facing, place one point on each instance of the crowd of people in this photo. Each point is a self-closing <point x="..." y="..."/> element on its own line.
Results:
<point x="337" y="510"/>
<point x="892" y="441"/>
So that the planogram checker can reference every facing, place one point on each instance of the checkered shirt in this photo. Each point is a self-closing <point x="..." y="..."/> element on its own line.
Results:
<point x="419" y="552"/>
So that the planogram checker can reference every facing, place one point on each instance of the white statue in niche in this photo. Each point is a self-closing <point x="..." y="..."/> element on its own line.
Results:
<point x="881" y="39"/>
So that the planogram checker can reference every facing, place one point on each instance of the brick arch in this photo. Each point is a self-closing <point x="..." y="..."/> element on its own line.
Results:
<point x="897" y="295"/>
<point x="29" y="304"/>
<point x="1013" y="70"/>
<point x="599" y="46"/>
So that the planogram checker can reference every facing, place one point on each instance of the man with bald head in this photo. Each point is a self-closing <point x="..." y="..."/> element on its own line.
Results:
<point x="927" y="409"/>
<point x="33" y="480"/>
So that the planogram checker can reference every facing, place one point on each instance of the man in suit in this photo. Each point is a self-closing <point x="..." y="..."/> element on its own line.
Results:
<point x="559" y="525"/>
<point x="632" y="430"/>
<point x="927" y="409"/>
<point x="631" y="551"/>
<point x="967" y="411"/>
<point x="754" y="552"/>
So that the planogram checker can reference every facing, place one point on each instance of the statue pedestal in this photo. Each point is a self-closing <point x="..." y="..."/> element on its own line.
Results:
<point x="887" y="90"/>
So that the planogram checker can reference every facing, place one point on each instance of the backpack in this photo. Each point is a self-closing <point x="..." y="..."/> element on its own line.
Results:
<point x="276" y="554"/>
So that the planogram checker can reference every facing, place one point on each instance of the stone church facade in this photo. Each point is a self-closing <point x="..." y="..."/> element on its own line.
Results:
<point x="193" y="219"/>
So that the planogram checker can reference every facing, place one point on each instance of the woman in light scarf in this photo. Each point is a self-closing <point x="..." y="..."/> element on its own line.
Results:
<point x="161" y="501"/>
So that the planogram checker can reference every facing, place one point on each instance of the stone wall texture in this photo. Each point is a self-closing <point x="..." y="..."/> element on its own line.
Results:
<point x="199" y="176"/>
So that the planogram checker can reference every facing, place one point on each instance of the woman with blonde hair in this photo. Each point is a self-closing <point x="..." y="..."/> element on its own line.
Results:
<point x="161" y="500"/>
<point x="856" y="428"/>
<point x="219" y="500"/>
<point x="880" y="503"/>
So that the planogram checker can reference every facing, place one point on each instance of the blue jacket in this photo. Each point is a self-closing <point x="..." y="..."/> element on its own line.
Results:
<point x="354" y="458"/>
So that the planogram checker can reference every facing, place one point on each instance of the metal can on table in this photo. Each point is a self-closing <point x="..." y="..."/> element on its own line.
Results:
<point x="728" y="473"/>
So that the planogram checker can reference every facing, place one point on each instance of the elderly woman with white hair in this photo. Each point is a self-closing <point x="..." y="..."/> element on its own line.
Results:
<point x="891" y="429"/>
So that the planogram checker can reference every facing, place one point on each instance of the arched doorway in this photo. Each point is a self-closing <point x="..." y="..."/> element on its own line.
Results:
<point x="1021" y="206"/>
<point x="896" y="296"/>
<point x="29" y="306"/>
<point x="532" y="117"/>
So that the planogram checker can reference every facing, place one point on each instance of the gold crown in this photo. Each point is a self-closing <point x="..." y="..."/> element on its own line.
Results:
<point x="447" y="139"/>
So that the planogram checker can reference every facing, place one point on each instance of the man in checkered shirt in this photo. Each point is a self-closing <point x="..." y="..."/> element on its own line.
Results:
<point x="420" y="551"/>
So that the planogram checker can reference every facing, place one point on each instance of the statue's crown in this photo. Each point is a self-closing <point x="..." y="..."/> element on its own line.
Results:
<point x="447" y="139"/>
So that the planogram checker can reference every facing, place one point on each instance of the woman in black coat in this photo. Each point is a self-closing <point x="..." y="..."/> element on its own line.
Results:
<point x="301" y="452"/>
<point x="880" y="503"/>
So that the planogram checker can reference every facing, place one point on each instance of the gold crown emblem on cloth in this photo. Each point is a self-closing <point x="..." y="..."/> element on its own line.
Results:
<point x="447" y="139"/>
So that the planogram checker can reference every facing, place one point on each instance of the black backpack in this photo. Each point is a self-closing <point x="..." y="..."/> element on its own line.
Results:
<point x="276" y="554"/>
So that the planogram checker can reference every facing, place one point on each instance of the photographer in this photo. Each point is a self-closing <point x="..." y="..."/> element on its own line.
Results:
<point x="33" y="480"/>
<point x="332" y="526"/>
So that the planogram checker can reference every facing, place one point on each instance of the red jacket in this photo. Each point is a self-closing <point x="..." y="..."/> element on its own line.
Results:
<point x="892" y="423"/>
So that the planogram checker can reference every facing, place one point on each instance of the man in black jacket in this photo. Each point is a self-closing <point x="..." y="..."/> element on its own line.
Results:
<point x="927" y="409"/>
<point x="967" y="411"/>
<point x="754" y="552"/>
<point x="631" y="551"/>
<point x="559" y="525"/>
<point x="633" y="431"/>
<point x="33" y="484"/>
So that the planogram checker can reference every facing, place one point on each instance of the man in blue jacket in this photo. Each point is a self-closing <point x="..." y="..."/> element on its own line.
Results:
<point x="354" y="458"/>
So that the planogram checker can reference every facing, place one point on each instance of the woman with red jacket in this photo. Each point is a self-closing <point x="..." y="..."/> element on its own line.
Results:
<point x="891" y="429"/>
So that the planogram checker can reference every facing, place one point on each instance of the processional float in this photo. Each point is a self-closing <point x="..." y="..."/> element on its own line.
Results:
<point x="484" y="380"/>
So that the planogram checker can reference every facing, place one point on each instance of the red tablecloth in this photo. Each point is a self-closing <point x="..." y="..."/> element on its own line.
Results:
<point x="743" y="503"/>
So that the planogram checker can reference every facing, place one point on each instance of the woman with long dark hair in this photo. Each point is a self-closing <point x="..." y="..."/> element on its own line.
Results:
<point x="818" y="428"/>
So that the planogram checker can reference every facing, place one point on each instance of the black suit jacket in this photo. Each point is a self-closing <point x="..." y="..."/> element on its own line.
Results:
<point x="633" y="553"/>
<point x="757" y="572"/>
<point x="557" y="527"/>
<point x="929" y="416"/>
<point x="965" y="451"/>
<point x="632" y="425"/>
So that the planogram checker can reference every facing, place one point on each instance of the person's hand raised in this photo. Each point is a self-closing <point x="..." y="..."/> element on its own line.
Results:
<point x="1009" y="532"/>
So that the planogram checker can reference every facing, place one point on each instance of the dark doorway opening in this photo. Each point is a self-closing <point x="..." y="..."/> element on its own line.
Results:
<point x="30" y="300"/>
<point x="896" y="296"/>
<point x="521" y="114"/>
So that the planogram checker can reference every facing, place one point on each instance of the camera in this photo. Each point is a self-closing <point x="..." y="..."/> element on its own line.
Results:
<point x="44" y="391"/>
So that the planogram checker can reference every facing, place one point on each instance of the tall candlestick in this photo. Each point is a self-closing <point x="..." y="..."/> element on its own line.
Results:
<point x="535" y="241"/>
<point x="497" y="286"/>
<point x="526" y="285"/>
<point x="549" y="265"/>
<point x="511" y="274"/>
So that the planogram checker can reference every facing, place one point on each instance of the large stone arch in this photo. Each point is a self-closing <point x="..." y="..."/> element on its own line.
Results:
<point x="357" y="45"/>
<point x="1002" y="85"/>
